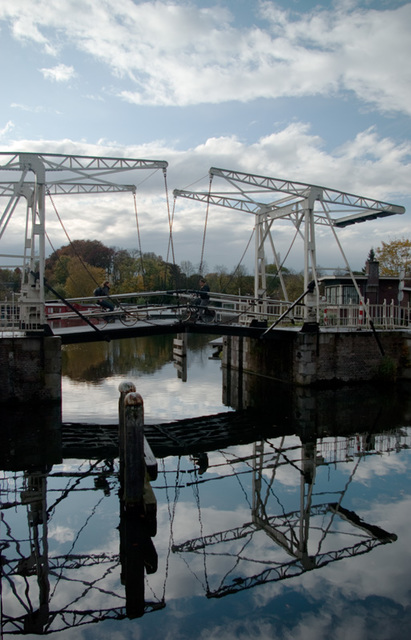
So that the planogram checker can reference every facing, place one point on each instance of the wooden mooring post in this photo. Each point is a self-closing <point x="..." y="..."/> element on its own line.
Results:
<point x="124" y="388"/>
<point x="138" y="514"/>
<point x="133" y="442"/>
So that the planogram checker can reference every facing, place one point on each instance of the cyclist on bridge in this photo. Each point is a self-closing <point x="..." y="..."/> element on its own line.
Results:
<point x="203" y="297"/>
<point x="104" y="301"/>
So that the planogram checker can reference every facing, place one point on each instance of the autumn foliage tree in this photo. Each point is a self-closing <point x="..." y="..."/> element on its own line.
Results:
<point x="394" y="256"/>
<point x="82" y="281"/>
<point x="10" y="280"/>
<point x="92" y="252"/>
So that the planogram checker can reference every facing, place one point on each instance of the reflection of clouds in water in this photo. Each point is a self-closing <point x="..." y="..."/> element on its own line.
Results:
<point x="165" y="396"/>
<point x="374" y="466"/>
<point x="285" y="474"/>
<point x="61" y="534"/>
<point x="355" y="622"/>
<point x="383" y="573"/>
<point x="186" y="570"/>
<point x="337" y="596"/>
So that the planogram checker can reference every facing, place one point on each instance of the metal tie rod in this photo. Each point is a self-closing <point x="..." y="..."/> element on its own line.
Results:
<point x="310" y="289"/>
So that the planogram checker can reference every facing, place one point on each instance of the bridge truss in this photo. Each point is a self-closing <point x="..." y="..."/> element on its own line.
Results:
<point x="304" y="205"/>
<point x="41" y="174"/>
<point x="303" y="538"/>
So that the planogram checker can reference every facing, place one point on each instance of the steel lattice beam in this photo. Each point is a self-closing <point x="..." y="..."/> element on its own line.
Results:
<point x="9" y="189"/>
<point x="295" y="568"/>
<point x="61" y="162"/>
<point x="70" y="618"/>
<point x="245" y="530"/>
<point x="301" y="190"/>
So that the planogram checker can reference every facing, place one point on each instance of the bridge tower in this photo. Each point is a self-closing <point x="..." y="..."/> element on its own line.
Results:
<point x="53" y="174"/>
<point x="305" y="206"/>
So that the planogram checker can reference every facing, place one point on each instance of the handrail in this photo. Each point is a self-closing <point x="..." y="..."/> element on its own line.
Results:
<point x="241" y="309"/>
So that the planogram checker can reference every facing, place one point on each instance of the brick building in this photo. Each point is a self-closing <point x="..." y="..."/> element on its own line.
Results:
<point x="374" y="288"/>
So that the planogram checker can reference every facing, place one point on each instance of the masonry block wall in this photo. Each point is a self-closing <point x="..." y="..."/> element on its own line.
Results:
<point x="320" y="358"/>
<point x="30" y="369"/>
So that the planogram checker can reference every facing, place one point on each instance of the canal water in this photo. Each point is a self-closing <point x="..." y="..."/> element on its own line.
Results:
<point x="280" y="514"/>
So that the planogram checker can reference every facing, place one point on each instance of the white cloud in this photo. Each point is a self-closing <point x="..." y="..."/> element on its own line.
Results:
<point x="368" y="165"/>
<point x="165" y="53"/>
<point x="8" y="127"/>
<point x="60" y="73"/>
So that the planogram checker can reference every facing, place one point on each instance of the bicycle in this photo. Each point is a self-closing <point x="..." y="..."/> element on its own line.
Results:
<point x="128" y="318"/>
<point x="195" y="313"/>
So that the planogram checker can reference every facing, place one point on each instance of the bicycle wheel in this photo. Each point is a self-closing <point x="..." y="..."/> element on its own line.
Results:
<point x="208" y="316"/>
<point x="99" y="321"/>
<point x="186" y="314"/>
<point x="128" y="319"/>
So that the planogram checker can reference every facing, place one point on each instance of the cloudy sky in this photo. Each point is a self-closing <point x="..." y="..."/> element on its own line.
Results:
<point x="310" y="91"/>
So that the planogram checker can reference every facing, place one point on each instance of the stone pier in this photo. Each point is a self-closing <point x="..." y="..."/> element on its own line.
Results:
<point x="30" y="369"/>
<point x="322" y="358"/>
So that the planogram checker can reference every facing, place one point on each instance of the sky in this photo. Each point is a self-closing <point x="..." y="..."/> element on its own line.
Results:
<point x="313" y="92"/>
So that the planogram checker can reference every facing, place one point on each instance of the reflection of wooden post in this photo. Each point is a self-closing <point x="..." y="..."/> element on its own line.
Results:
<point x="180" y="355"/>
<point x="133" y="563"/>
<point x="134" y="466"/>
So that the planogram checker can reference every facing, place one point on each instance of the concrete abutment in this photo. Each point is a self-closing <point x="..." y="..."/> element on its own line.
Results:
<point x="322" y="358"/>
<point x="30" y="369"/>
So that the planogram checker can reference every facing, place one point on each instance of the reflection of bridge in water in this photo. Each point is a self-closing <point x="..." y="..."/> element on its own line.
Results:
<point x="281" y="540"/>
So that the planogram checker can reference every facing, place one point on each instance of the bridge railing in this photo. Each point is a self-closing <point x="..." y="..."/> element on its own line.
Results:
<point x="229" y="308"/>
<point x="383" y="316"/>
<point x="18" y="318"/>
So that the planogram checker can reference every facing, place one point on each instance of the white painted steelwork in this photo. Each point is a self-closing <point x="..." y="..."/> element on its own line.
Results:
<point x="45" y="173"/>
<point x="304" y="205"/>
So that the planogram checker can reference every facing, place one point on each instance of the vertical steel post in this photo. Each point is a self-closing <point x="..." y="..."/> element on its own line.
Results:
<point x="32" y="291"/>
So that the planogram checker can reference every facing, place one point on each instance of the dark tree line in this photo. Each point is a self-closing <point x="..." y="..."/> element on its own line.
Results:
<point x="76" y="269"/>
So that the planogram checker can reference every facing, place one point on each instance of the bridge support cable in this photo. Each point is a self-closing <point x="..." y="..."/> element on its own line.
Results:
<point x="309" y="290"/>
<point x="170" y="221"/>
<point x="360" y="296"/>
<point x="138" y="236"/>
<point x="201" y="267"/>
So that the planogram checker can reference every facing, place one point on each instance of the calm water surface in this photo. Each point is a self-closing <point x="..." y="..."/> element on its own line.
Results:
<point x="294" y="525"/>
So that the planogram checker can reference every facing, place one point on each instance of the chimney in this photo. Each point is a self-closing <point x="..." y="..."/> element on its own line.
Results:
<point x="372" y="270"/>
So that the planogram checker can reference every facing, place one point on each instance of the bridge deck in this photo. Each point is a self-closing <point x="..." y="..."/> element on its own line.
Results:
<point x="116" y="330"/>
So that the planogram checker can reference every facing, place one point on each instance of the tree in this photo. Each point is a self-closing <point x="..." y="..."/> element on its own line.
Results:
<point x="187" y="268"/>
<point x="10" y="280"/>
<point x="82" y="281"/>
<point x="92" y="252"/>
<point x="394" y="256"/>
<point x="126" y="272"/>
